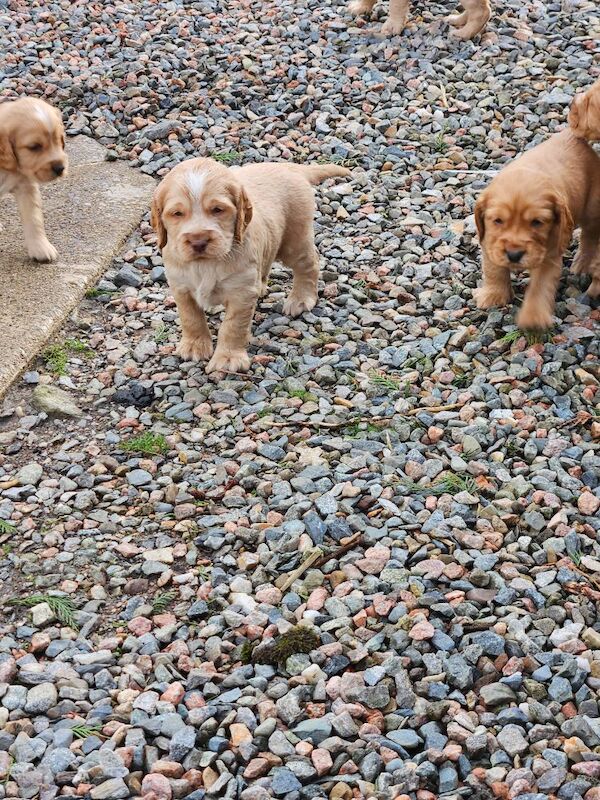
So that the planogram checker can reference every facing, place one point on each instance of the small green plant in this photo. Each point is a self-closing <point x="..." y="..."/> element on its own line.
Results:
<point x="264" y="412"/>
<point x="226" y="156"/>
<point x="576" y="558"/>
<point x="357" y="429"/>
<point x="440" y="145"/>
<point x="63" y="607"/>
<point x="303" y="394"/>
<point x="82" y="731"/>
<point x="347" y="162"/>
<point x="56" y="357"/>
<point x="161" y="334"/>
<point x="461" y="379"/>
<point x="162" y="600"/>
<point x="300" y="639"/>
<point x="532" y="337"/>
<point x="386" y="381"/>
<point x="246" y="652"/>
<point x="6" y="527"/>
<point x="449" y="484"/>
<point x="148" y="443"/>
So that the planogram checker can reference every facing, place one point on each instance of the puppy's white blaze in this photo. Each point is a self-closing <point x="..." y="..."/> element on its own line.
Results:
<point x="42" y="113"/>
<point x="194" y="180"/>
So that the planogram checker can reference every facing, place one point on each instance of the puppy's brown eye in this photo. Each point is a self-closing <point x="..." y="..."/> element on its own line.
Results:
<point x="35" y="148"/>
<point x="536" y="223"/>
<point x="177" y="213"/>
<point x="217" y="210"/>
<point x="497" y="221"/>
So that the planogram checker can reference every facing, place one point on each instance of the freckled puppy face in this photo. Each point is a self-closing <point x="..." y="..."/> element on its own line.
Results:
<point x="32" y="140"/>
<point x="200" y="211"/>
<point x="520" y="229"/>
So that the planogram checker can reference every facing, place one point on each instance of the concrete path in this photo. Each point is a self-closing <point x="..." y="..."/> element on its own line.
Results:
<point x="88" y="216"/>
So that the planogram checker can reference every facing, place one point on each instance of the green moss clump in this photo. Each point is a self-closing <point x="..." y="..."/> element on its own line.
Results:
<point x="246" y="652"/>
<point x="300" y="639"/>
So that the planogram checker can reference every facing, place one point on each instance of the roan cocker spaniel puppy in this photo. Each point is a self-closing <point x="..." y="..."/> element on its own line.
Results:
<point x="220" y="230"/>
<point x="468" y="24"/>
<point x="32" y="151"/>
<point x="526" y="217"/>
<point x="584" y="115"/>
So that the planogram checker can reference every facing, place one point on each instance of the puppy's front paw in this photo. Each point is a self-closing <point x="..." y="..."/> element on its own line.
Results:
<point x="393" y="27"/>
<point x="294" y="306"/>
<point x="194" y="349"/>
<point x="581" y="263"/>
<point x="487" y="297"/>
<point x="456" y="20"/>
<point x="230" y="361"/>
<point x="474" y="26"/>
<point x="593" y="289"/>
<point x="532" y="317"/>
<point x="42" y="250"/>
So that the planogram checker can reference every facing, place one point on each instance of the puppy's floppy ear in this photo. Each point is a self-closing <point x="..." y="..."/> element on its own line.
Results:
<point x="563" y="223"/>
<point x="156" y="219"/>
<point x="8" y="157"/>
<point x="244" y="214"/>
<point x="480" y="207"/>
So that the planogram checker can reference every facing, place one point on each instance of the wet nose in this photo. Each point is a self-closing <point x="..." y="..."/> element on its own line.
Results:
<point x="58" y="168"/>
<point x="514" y="256"/>
<point x="198" y="243"/>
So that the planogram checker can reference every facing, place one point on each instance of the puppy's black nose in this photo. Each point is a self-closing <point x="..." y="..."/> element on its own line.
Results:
<point x="514" y="256"/>
<point x="58" y="168"/>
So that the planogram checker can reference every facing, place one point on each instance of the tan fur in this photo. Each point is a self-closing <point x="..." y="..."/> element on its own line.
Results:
<point x="220" y="230"/>
<point x="468" y="24"/>
<point x="531" y="208"/>
<point x="584" y="115"/>
<point x="32" y="151"/>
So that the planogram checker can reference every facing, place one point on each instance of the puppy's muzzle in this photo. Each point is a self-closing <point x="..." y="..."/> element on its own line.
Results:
<point x="198" y="244"/>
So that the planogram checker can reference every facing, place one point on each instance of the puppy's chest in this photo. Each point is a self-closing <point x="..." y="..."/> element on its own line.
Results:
<point x="208" y="286"/>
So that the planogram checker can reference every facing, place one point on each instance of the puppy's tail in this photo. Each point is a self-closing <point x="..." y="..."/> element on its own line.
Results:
<point x="319" y="172"/>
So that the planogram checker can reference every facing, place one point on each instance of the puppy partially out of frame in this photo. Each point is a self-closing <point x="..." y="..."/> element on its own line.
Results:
<point x="469" y="23"/>
<point x="220" y="230"/>
<point x="526" y="217"/>
<point x="32" y="151"/>
<point x="584" y="114"/>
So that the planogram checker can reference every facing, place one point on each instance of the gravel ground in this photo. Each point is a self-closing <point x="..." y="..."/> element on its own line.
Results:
<point x="371" y="567"/>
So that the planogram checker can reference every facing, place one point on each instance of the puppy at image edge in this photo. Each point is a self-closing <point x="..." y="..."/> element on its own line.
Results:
<point x="220" y="230"/>
<point x="32" y="151"/>
<point x="525" y="220"/>
<point x="584" y="114"/>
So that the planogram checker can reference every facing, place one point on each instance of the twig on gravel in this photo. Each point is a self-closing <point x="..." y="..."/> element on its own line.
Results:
<point x="339" y="551"/>
<point x="306" y="564"/>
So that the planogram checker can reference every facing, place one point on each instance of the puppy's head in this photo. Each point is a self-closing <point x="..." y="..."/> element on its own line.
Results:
<point x="201" y="211"/>
<point x="584" y="115"/>
<point x="32" y="140"/>
<point x="522" y="222"/>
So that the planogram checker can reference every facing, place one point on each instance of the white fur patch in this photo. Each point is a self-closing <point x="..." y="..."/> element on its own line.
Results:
<point x="194" y="180"/>
<point x="43" y="114"/>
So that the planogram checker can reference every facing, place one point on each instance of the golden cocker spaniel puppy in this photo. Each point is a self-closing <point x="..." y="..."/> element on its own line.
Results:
<point x="32" y="151"/>
<point x="526" y="217"/>
<point x="468" y="24"/>
<point x="584" y="114"/>
<point x="220" y="230"/>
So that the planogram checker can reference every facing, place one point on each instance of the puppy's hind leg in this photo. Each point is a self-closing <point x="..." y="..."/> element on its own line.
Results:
<point x="587" y="250"/>
<point x="29" y="202"/>
<point x="304" y="263"/>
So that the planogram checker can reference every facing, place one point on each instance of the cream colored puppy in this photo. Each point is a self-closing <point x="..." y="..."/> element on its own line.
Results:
<point x="220" y="230"/>
<point x="32" y="151"/>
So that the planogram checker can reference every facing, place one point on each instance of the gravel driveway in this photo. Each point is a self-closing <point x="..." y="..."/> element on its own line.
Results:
<point x="370" y="568"/>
